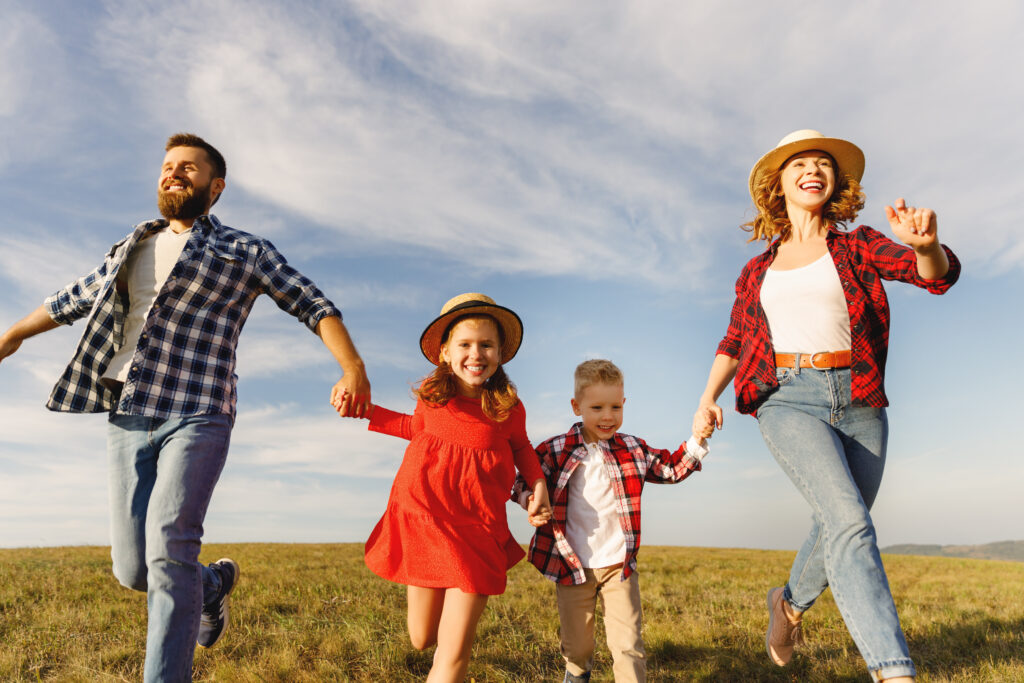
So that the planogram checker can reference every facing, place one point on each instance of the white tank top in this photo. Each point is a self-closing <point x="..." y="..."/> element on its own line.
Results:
<point x="145" y="272"/>
<point x="806" y="308"/>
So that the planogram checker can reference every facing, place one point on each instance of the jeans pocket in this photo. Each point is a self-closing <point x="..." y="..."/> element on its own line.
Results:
<point x="784" y="375"/>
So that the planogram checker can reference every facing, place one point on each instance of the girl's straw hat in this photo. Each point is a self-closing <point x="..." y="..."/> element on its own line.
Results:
<point x="472" y="303"/>
<point x="848" y="156"/>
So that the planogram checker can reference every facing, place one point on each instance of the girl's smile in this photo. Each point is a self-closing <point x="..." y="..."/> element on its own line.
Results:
<point x="473" y="351"/>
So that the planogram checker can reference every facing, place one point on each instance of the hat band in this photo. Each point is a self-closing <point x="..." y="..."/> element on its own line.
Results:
<point x="468" y="304"/>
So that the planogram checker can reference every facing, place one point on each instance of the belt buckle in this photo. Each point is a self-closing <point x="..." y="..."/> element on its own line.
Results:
<point x="815" y="355"/>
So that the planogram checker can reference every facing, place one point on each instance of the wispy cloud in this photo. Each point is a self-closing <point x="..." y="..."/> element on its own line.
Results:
<point x="33" y="119"/>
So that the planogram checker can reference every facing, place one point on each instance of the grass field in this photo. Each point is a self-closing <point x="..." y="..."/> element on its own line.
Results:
<point x="315" y="613"/>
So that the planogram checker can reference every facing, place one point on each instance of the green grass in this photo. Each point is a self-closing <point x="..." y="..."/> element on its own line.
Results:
<point x="315" y="613"/>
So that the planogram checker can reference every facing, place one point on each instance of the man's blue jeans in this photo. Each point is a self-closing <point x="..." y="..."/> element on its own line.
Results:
<point x="162" y="474"/>
<point x="835" y="454"/>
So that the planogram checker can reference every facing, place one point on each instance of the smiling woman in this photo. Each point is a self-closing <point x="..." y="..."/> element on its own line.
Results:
<point x="807" y="344"/>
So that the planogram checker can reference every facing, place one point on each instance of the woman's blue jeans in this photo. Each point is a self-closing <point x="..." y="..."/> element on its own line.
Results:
<point x="835" y="454"/>
<point x="162" y="474"/>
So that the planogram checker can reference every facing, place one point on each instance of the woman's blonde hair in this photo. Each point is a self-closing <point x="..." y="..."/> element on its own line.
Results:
<point x="499" y="395"/>
<point x="772" y="220"/>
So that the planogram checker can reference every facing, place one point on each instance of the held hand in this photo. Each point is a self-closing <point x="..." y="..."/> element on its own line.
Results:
<point x="704" y="423"/>
<point x="538" y="511"/>
<point x="915" y="227"/>
<point x="708" y="416"/>
<point x="351" y="395"/>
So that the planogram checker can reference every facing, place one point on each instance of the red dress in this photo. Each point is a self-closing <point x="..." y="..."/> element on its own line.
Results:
<point x="445" y="524"/>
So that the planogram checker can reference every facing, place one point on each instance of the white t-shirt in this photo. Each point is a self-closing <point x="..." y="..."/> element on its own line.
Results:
<point x="145" y="271"/>
<point x="806" y="308"/>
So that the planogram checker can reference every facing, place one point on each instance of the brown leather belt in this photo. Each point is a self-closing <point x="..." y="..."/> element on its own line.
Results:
<point x="819" y="361"/>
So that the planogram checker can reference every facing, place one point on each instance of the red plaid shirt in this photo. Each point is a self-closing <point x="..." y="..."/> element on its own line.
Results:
<point x="863" y="258"/>
<point x="630" y="462"/>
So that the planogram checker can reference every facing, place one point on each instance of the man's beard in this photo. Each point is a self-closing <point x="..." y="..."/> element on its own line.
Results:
<point x="185" y="204"/>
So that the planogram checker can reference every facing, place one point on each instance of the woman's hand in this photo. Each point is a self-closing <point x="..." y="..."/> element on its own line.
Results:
<point x="707" y="417"/>
<point x="916" y="227"/>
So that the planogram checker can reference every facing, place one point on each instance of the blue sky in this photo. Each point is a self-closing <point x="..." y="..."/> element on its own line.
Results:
<point x="584" y="163"/>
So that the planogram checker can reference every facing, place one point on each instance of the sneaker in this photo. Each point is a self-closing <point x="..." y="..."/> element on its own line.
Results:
<point x="214" y="621"/>
<point x="783" y="632"/>
<point x="573" y="678"/>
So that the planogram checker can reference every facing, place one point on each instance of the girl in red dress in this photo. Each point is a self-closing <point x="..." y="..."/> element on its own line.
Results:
<point x="444" y="533"/>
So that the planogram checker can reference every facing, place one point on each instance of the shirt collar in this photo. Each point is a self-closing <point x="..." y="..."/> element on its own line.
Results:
<point x="574" y="438"/>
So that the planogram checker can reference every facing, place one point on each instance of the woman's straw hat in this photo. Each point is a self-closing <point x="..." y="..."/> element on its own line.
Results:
<point x="848" y="156"/>
<point x="472" y="303"/>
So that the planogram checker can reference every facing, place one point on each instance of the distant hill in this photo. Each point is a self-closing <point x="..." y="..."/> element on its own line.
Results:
<point x="1001" y="550"/>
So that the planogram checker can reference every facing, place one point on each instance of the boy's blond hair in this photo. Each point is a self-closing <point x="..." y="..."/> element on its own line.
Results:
<point x="596" y="371"/>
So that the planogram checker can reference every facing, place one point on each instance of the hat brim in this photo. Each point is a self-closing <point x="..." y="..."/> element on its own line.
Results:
<point x="849" y="157"/>
<point x="511" y="328"/>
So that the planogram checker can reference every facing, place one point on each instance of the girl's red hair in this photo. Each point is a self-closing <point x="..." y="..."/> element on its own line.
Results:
<point x="499" y="395"/>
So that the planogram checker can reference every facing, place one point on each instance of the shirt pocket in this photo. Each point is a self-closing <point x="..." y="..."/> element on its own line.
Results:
<point x="222" y="272"/>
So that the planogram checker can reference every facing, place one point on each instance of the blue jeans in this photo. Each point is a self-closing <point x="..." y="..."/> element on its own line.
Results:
<point x="162" y="474"/>
<point x="835" y="454"/>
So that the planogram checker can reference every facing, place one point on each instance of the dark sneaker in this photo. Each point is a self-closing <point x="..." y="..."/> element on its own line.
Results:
<point x="783" y="633"/>
<point x="573" y="678"/>
<point x="215" y="615"/>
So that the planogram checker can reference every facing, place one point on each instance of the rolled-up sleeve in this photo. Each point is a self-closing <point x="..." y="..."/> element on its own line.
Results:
<point x="898" y="262"/>
<point x="74" y="301"/>
<point x="292" y="291"/>
<point x="730" y="344"/>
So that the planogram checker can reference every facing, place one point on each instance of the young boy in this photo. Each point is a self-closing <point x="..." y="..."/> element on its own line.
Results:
<point x="596" y="475"/>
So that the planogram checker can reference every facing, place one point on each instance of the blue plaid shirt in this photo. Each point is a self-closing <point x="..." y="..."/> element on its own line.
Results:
<point x="184" y="363"/>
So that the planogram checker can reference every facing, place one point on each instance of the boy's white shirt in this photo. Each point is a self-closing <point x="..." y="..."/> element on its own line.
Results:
<point x="592" y="524"/>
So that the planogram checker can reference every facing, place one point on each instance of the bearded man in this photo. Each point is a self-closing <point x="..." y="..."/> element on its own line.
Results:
<point x="163" y="314"/>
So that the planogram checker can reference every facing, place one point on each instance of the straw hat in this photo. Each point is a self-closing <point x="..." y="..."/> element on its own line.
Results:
<point x="848" y="156"/>
<point x="472" y="303"/>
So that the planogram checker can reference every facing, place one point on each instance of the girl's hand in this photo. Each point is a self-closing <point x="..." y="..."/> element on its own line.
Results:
<point x="350" y="395"/>
<point x="538" y="511"/>
<point x="915" y="227"/>
<point x="342" y="402"/>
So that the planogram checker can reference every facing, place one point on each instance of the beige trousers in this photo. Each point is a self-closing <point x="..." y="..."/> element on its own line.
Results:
<point x="623" y="620"/>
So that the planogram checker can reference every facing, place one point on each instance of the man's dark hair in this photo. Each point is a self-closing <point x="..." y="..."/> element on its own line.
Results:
<point x="220" y="167"/>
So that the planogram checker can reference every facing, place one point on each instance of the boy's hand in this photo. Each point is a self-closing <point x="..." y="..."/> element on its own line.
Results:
<point x="707" y="412"/>
<point x="538" y="511"/>
<point x="704" y="422"/>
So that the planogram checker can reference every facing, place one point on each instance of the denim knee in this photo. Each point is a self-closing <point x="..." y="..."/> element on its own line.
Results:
<point x="131" y="574"/>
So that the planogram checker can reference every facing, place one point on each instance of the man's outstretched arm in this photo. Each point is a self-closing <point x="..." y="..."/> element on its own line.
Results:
<point x="351" y="395"/>
<point x="34" y="323"/>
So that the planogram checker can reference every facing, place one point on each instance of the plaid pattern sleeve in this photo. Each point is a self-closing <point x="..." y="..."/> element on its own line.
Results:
<point x="668" y="467"/>
<point x="863" y="258"/>
<point x="184" y="363"/>
<point x="747" y="338"/>
<point x="76" y="300"/>
<point x="630" y="462"/>
<point x="293" y="292"/>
